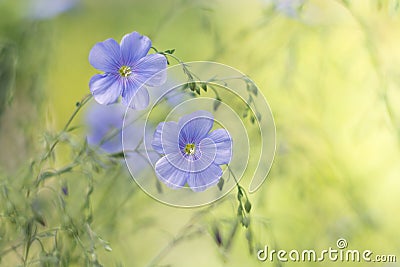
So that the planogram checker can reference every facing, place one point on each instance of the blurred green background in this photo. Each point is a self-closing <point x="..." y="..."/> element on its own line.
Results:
<point x="329" y="70"/>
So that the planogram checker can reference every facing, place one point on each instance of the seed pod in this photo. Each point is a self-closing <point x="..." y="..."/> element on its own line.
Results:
<point x="247" y="206"/>
<point x="204" y="86"/>
<point x="221" y="183"/>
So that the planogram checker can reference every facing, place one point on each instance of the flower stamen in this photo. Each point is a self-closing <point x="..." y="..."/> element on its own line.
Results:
<point x="125" y="71"/>
<point x="190" y="149"/>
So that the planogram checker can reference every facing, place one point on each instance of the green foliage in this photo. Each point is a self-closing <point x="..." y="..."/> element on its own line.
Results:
<point x="41" y="221"/>
<point x="330" y="75"/>
<point x="8" y="60"/>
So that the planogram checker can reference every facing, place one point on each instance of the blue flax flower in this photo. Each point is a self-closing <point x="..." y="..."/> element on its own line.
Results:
<point x="105" y="125"/>
<point x="47" y="9"/>
<point x="127" y="68"/>
<point x="192" y="154"/>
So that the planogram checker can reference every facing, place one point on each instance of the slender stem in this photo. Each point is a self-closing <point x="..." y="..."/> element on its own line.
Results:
<point x="183" y="233"/>
<point x="62" y="170"/>
<point x="228" y="78"/>
<point x="233" y="175"/>
<point x="116" y="131"/>
<point x="240" y="190"/>
<point x="79" y="106"/>
<point x="12" y="248"/>
<point x="29" y="241"/>
<point x="176" y="240"/>
<point x="192" y="75"/>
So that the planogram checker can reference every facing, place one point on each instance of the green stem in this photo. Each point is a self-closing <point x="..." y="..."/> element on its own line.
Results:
<point x="29" y="241"/>
<point x="236" y="181"/>
<point x="116" y="131"/>
<point x="79" y="106"/>
<point x="183" y="233"/>
<point x="241" y="191"/>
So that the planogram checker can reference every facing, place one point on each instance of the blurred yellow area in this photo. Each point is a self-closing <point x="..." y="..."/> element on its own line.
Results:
<point x="331" y="75"/>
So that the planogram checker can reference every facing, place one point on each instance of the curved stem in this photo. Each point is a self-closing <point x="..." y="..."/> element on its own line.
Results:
<point x="183" y="233"/>
<point x="79" y="106"/>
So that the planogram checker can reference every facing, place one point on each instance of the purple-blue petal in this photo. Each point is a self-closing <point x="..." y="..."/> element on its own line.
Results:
<point x="195" y="126"/>
<point x="134" y="46"/>
<point x="105" y="125"/>
<point x="165" y="138"/>
<point x="199" y="181"/>
<point x="102" y="120"/>
<point x="105" y="88"/>
<point x="106" y="56"/>
<point x="223" y="142"/>
<point x="150" y="70"/>
<point x="200" y="169"/>
<point x="135" y="95"/>
<point x="156" y="141"/>
<point x="46" y="9"/>
<point x="170" y="175"/>
<point x="201" y="160"/>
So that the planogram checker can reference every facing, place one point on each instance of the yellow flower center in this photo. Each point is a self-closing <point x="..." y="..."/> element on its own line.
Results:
<point x="125" y="71"/>
<point x="190" y="149"/>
